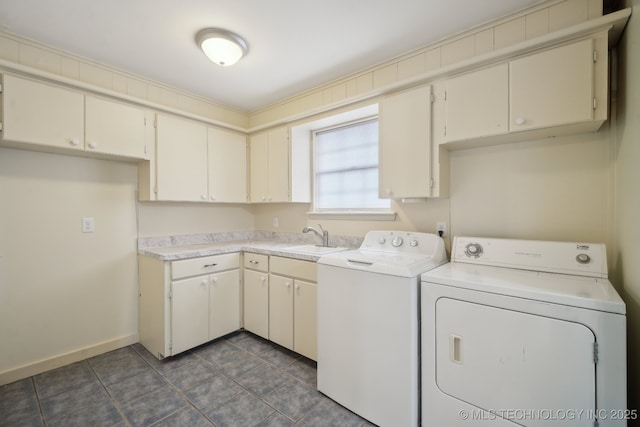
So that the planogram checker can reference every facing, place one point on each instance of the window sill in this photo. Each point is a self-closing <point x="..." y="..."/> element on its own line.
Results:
<point x="354" y="216"/>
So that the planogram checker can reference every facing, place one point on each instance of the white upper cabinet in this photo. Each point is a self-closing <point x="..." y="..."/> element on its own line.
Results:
<point x="42" y="114"/>
<point x="477" y="104"/>
<point x="407" y="153"/>
<point x="552" y="88"/>
<point x="50" y="116"/>
<point x="269" y="166"/>
<point x="227" y="153"/>
<point x="181" y="159"/>
<point x="114" y="128"/>
<point x="199" y="163"/>
<point x="557" y="91"/>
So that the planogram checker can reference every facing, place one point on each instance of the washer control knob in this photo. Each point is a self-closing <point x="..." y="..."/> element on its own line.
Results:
<point x="583" y="258"/>
<point x="413" y="243"/>
<point x="382" y="240"/>
<point x="397" y="241"/>
<point x="473" y="250"/>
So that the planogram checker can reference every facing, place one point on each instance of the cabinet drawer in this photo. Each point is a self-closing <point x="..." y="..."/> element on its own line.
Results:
<point x="256" y="262"/>
<point x="204" y="265"/>
<point x="306" y="270"/>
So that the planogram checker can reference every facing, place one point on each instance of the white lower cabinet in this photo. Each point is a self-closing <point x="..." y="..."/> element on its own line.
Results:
<point x="188" y="302"/>
<point x="224" y="303"/>
<point x="281" y="310"/>
<point x="256" y="294"/>
<point x="293" y="305"/>
<point x="305" y="318"/>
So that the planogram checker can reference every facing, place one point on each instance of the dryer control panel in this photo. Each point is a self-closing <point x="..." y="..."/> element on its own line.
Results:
<point x="584" y="259"/>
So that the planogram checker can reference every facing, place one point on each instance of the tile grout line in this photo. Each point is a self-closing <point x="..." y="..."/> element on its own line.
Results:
<point x="113" y="401"/>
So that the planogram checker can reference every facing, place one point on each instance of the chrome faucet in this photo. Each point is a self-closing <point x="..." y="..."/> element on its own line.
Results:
<point x="324" y="236"/>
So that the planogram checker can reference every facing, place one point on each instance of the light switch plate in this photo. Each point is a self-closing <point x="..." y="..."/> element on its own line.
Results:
<point x="88" y="225"/>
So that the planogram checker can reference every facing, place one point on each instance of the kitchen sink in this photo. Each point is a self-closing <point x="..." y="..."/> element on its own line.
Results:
<point x="315" y="249"/>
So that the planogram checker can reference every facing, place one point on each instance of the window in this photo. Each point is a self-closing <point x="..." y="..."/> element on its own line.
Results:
<point x="346" y="168"/>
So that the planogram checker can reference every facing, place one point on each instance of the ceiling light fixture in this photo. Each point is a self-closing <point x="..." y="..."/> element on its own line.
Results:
<point x="221" y="46"/>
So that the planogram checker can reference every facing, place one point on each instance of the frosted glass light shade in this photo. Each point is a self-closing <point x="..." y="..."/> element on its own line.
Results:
<point x="221" y="46"/>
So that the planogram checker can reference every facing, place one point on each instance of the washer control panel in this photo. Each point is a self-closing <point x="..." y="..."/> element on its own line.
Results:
<point x="401" y="242"/>
<point x="586" y="259"/>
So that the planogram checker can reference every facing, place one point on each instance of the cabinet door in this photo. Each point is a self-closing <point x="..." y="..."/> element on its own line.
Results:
<point x="256" y="303"/>
<point x="181" y="155"/>
<point x="278" y="165"/>
<point x="281" y="310"/>
<point x="114" y="128"/>
<point x="259" y="159"/>
<point x="227" y="152"/>
<point x="405" y="144"/>
<point x="38" y="113"/>
<point x="224" y="303"/>
<point x="477" y="104"/>
<point x="269" y="166"/>
<point x="552" y="88"/>
<point x="189" y="313"/>
<point x="305" y="319"/>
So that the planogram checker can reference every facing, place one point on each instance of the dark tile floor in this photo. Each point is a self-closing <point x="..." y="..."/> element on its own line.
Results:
<point x="240" y="380"/>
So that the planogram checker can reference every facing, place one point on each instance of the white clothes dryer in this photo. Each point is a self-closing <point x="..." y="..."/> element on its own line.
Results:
<point x="527" y="333"/>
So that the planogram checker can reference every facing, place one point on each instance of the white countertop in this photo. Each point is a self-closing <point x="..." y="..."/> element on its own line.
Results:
<point x="193" y="246"/>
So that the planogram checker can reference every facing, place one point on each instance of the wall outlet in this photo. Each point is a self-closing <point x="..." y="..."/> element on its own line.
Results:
<point x="88" y="225"/>
<point x="441" y="228"/>
<point x="275" y="223"/>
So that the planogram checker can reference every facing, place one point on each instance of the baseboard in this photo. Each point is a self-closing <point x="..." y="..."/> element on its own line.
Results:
<point x="41" y="366"/>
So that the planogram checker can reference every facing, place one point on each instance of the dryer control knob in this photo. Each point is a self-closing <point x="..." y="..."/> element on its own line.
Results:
<point x="473" y="250"/>
<point x="382" y="240"/>
<point x="397" y="242"/>
<point x="583" y="258"/>
<point x="413" y="243"/>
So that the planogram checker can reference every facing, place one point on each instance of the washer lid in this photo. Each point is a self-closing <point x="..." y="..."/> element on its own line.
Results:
<point x="389" y="263"/>
<point x="578" y="291"/>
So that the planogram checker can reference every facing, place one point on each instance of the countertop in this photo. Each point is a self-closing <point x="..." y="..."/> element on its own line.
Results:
<point x="171" y="248"/>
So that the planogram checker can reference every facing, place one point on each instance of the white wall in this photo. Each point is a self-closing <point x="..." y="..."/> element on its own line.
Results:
<point x="552" y="189"/>
<point x="412" y="216"/>
<point x="170" y="219"/>
<point x="63" y="291"/>
<point x="627" y="198"/>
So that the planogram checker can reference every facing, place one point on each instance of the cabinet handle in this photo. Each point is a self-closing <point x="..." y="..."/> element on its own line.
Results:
<point x="203" y="197"/>
<point x="298" y="287"/>
<point x="253" y="261"/>
<point x="209" y="265"/>
<point x="263" y="279"/>
<point x="74" y="142"/>
<point x="520" y="121"/>
<point x="213" y="198"/>
<point x="93" y="145"/>
<point x="214" y="279"/>
<point x="288" y="285"/>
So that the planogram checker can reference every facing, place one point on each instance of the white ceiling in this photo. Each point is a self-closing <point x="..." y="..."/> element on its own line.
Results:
<point x="294" y="45"/>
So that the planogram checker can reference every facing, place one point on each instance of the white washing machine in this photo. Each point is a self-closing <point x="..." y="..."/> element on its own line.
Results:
<point x="526" y="333"/>
<point x="368" y="324"/>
